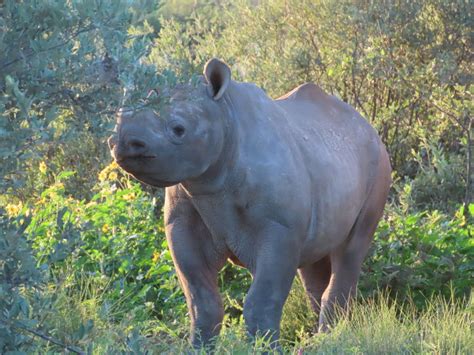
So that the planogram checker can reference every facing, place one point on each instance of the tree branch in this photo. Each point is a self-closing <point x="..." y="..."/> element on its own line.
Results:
<point x="451" y="116"/>
<point x="46" y="337"/>
<point x="24" y="56"/>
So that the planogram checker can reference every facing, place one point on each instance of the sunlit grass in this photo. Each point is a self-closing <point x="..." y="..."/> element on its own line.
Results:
<point x="373" y="326"/>
<point x="383" y="326"/>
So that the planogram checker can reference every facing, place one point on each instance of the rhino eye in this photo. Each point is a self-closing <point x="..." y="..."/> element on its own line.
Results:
<point x="178" y="130"/>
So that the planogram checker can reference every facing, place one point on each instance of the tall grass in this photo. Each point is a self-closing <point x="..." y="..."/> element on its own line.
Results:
<point x="373" y="326"/>
<point x="382" y="326"/>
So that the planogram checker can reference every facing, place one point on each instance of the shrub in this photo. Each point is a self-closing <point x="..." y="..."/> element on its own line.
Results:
<point x="108" y="255"/>
<point x="115" y="234"/>
<point x="421" y="254"/>
<point x="18" y="277"/>
<point x="64" y="67"/>
<point x="439" y="183"/>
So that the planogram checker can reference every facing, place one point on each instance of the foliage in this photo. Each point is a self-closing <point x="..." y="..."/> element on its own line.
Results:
<point x="183" y="9"/>
<point x="438" y="182"/>
<point x="115" y="235"/>
<point x="443" y="327"/>
<point x="110" y="258"/>
<point x="18" y="275"/>
<point x="422" y="254"/>
<point x="63" y="68"/>
<point x="298" y="320"/>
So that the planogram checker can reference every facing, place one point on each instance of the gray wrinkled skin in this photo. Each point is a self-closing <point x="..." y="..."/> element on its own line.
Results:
<point x="296" y="184"/>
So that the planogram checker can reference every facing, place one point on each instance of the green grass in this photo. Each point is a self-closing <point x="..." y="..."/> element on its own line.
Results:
<point x="374" y="326"/>
<point x="382" y="327"/>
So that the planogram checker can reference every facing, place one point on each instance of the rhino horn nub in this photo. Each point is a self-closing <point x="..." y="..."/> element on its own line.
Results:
<point x="217" y="74"/>
<point x="124" y="112"/>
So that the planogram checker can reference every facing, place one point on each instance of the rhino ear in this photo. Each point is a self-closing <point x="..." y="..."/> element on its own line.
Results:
<point x="217" y="74"/>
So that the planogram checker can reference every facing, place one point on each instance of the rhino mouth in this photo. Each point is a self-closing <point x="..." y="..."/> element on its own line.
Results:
<point x="135" y="165"/>
<point x="135" y="158"/>
<point x="138" y="167"/>
<point x="153" y="181"/>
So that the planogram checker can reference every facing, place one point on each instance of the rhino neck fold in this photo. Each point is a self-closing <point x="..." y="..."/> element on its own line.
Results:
<point x="222" y="174"/>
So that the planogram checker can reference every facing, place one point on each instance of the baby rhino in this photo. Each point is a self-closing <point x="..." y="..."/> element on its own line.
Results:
<point x="296" y="184"/>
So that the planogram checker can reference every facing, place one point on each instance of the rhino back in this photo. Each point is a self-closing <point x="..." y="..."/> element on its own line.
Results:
<point x="331" y="132"/>
<point x="325" y="130"/>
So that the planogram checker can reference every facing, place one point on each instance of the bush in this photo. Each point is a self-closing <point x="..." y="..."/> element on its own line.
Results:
<point x="115" y="235"/>
<point x="109" y="258"/>
<point x="64" y="67"/>
<point x="420" y="255"/>
<point x="439" y="183"/>
<point x="18" y="278"/>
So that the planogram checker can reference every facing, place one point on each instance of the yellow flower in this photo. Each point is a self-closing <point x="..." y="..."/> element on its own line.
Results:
<point x="58" y="185"/>
<point x="43" y="167"/>
<point x="103" y="175"/>
<point x="156" y="256"/>
<point x="105" y="228"/>
<point x="108" y="172"/>
<point x="13" y="210"/>
<point x="40" y="201"/>
<point x="129" y="197"/>
<point x="113" y="175"/>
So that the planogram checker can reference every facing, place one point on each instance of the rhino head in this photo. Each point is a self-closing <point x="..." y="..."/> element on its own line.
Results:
<point x="182" y="143"/>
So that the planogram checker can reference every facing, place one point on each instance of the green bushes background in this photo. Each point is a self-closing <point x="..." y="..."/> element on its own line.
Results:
<point x="83" y="259"/>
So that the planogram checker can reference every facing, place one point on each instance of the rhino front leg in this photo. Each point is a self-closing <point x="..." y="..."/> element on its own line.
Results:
<point x="276" y="266"/>
<point x="197" y="264"/>
<point x="198" y="278"/>
<point x="204" y="305"/>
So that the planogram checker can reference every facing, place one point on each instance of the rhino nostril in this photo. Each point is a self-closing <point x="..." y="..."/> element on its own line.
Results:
<point x="136" y="147"/>
<point x="136" y="143"/>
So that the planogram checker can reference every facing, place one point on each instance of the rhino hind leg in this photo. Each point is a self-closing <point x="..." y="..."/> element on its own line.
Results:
<point x="315" y="278"/>
<point x="346" y="261"/>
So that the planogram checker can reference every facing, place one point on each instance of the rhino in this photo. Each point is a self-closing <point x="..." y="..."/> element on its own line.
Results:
<point x="289" y="186"/>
